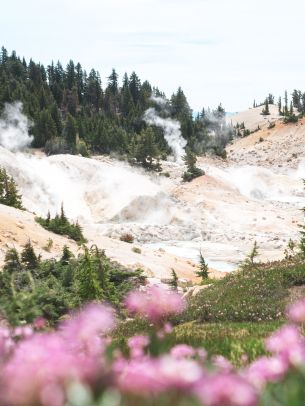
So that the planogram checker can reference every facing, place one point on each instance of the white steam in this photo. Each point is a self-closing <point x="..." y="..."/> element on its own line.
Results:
<point x="172" y="132"/>
<point x="14" y="128"/>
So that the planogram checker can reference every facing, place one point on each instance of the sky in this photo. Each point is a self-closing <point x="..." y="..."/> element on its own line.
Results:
<point x="218" y="51"/>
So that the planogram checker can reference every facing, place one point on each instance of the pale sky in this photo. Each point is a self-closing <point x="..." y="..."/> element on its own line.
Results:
<point x="228" y="51"/>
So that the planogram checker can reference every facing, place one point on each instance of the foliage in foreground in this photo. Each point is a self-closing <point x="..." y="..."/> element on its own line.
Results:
<point x="30" y="287"/>
<point x="61" y="225"/>
<point x="78" y="363"/>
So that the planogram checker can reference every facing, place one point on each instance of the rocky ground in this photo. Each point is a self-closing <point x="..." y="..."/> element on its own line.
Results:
<point x="254" y="195"/>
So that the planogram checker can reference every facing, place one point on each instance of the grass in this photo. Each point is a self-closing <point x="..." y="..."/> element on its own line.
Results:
<point x="234" y="315"/>
<point x="232" y="340"/>
<point x="258" y="293"/>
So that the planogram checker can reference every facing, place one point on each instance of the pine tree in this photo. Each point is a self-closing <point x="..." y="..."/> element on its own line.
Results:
<point x="113" y="82"/>
<point x="192" y="172"/>
<point x="9" y="194"/>
<point x="146" y="150"/>
<point x="66" y="255"/>
<point x="174" y="280"/>
<point x="45" y="129"/>
<point x="286" y="103"/>
<point x="12" y="261"/>
<point x="280" y="106"/>
<point x="28" y="257"/>
<point x="265" y="111"/>
<point x="70" y="130"/>
<point x="203" y="272"/>
<point x="250" y="259"/>
<point x="87" y="285"/>
<point x="270" y="98"/>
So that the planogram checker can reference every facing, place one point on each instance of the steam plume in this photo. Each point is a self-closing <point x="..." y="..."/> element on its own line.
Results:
<point x="172" y="132"/>
<point x="14" y="128"/>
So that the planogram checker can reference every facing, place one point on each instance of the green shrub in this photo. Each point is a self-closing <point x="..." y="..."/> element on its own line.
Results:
<point x="291" y="118"/>
<point x="61" y="225"/>
<point x="136" y="250"/>
<point x="30" y="287"/>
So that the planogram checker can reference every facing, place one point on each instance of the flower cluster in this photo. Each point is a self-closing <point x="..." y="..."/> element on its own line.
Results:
<point x="41" y="368"/>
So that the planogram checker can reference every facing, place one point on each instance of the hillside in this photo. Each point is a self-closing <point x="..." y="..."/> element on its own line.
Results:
<point x="17" y="227"/>
<point x="253" y="118"/>
<point x="282" y="147"/>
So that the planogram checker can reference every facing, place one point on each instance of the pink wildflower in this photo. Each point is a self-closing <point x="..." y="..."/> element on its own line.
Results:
<point x="86" y="329"/>
<point x="137" y="345"/>
<point x="264" y="370"/>
<point x="40" y="323"/>
<point x="6" y="342"/>
<point x="289" y="344"/>
<point x="155" y="304"/>
<point x="147" y="376"/>
<point x="182" y="351"/>
<point x="40" y="364"/>
<point x="222" y="364"/>
<point x="296" y="312"/>
<point x="226" y="389"/>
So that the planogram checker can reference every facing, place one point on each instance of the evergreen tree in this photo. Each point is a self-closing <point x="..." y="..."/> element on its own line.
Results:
<point x="66" y="255"/>
<point x="250" y="259"/>
<point x="45" y="129"/>
<point x="192" y="172"/>
<point x="280" y="106"/>
<point x="265" y="111"/>
<point x="113" y="82"/>
<point x="9" y="194"/>
<point x="70" y="131"/>
<point x="28" y="257"/>
<point x="174" y="280"/>
<point x="286" y="103"/>
<point x="12" y="261"/>
<point x="203" y="272"/>
<point x="146" y="151"/>
<point x="87" y="285"/>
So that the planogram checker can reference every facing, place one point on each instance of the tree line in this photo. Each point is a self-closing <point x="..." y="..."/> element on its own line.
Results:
<point x="72" y="111"/>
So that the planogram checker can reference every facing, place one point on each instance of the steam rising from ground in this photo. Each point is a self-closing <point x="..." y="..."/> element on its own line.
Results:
<point x="14" y="128"/>
<point x="172" y="132"/>
<point x="229" y="207"/>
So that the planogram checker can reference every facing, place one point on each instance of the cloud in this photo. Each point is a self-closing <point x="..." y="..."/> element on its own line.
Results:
<point x="217" y="50"/>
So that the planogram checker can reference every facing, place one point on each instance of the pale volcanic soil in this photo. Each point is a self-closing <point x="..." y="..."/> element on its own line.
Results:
<point x="254" y="195"/>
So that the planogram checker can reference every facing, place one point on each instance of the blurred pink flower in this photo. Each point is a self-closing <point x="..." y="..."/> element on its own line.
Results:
<point x="289" y="344"/>
<point x="155" y="304"/>
<point x="296" y="312"/>
<point x="39" y="323"/>
<point x="86" y="328"/>
<point x="264" y="370"/>
<point x="7" y="344"/>
<point x="137" y="345"/>
<point x="182" y="351"/>
<point x="226" y="390"/>
<point x="39" y="363"/>
<point x="23" y="331"/>
<point x="222" y="364"/>
<point x="147" y="376"/>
